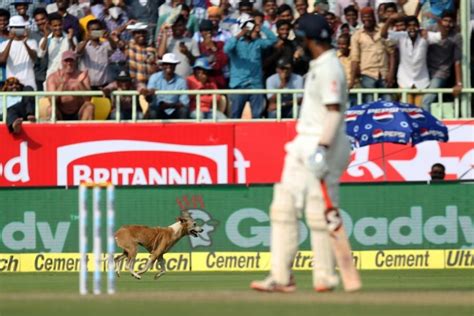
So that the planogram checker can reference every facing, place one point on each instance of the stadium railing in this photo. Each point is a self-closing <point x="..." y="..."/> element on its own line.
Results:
<point x="456" y="108"/>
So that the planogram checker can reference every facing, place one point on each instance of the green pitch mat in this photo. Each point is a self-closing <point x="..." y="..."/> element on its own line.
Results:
<point x="436" y="292"/>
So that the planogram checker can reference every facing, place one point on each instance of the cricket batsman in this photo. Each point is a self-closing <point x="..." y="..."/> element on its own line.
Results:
<point x="319" y="152"/>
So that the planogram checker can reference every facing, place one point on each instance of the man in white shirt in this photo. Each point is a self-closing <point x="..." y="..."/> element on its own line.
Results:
<point x="413" y="48"/>
<point x="19" y="53"/>
<point x="320" y="151"/>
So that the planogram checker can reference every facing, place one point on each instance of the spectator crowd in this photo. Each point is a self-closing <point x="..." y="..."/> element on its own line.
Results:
<point x="153" y="45"/>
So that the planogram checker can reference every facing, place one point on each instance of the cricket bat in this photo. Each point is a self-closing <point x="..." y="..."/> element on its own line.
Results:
<point x="340" y="245"/>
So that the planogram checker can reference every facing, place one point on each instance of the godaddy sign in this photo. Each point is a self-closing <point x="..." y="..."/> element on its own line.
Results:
<point x="234" y="218"/>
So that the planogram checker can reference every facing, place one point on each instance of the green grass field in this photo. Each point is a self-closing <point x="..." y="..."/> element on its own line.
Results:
<point x="386" y="293"/>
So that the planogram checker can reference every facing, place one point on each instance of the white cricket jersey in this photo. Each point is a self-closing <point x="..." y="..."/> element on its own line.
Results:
<point x="325" y="84"/>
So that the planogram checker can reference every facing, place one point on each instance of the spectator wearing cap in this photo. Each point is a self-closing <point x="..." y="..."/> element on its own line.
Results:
<point x="213" y="50"/>
<point x="184" y="48"/>
<point x="283" y="79"/>
<point x="123" y="82"/>
<point x="212" y="26"/>
<point x="55" y="42"/>
<point x="370" y="57"/>
<point x="201" y="80"/>
<point x="358" y="4"/>
<point x="284" y="47"/>
<point x="70" y="78"/>
<point x="19" y="53"/>
<point x="95" y="53"/>
<point x="167" y="106"/>
<point x="219" y="33"/>
<point x="413" y="48"/>
<point x="245" y="57"/>
<point x="4" y="36"/>
<point x="141" y="57"/>
<point x="320" y="7"/>
<point x="18" y="108"/>
<point x="444" y="59"/>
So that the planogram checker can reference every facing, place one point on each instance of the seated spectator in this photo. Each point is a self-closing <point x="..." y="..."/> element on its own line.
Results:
<point x="412" y="70"/>
<point x="116" y="19"/>
<point x="141" y="57"/>
<point x="214" y="51"/>
<point x="184" y="48"/>
<point x="18" y="108"/>
<point x="95" y="53"/>
<point x="70" y="78"/>
<point x="245" y="56"/>
<point x="55" y="42"/>
<point x="200" y="80"/>
<point x="19" y="53"/>
<point x="4" y="36"/>
<point x="123" y="82"/>
<point x="443" y="58"/>
<point x="438" y="172"/>
<point x="283" y="79"/>
<point x="370" y="57"/>
<point x="173" y="106"/>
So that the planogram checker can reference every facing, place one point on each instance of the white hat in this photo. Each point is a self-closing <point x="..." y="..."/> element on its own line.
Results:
<point x="169" y="58"/>
<point x="17" y="21"/>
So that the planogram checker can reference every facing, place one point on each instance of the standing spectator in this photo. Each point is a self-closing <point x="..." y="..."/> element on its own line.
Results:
<point x="412" y="70"/>
<point x="54" y="44"/>
<point x="18" y="108"/>
<point x="245" y="56"/>
<point x="333" y="24"/>
<point x="141" y="57"/>
<point x="283" y="79"/>
<point x="369" y="56"/>
<point x="443" y="57"/>
<point x="228" y="17"/>
<point x="95" y="54"/>
<point x="301" y="7"/>
<point x="284" y="47"/>
<point x="167" y="106"/>
<point x="219" y="33"/>
<point x="358" y="4"/>
<point x="200" y="80"/>
<point x="321" y="7"/>
<point x="270" y="16"/>
<point x="431" y="18"/>
<point x="214" y="52"/>
<point x="145" y="11"/>
<point x="21" y="8"/>
<point x="43" y="27"/>
<point x="69" y="20"/>
<point x="19" y="53"/>
<point x="285" y="12"/>
<point x="184" y="48"/>
<point x="4" y="36"/>
<point x="351" y="15"/>
<point x="70" y="78"/>
<point x="343" y="53"/>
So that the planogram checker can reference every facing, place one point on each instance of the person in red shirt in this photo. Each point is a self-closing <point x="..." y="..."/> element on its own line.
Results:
<point x="201" y="80"/>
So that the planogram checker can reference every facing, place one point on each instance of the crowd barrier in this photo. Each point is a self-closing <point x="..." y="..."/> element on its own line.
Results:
<point x="456" y="107"/>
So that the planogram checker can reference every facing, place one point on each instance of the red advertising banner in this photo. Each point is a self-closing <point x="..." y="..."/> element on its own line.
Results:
<point x="188" y="153"/>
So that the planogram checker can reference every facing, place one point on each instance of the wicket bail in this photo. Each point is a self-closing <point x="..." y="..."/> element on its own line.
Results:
<point x="96" y="236"/>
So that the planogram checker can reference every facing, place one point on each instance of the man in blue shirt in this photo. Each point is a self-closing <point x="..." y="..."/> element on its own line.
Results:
<point x="169" y="106"/>
<point x="4" y="18"/>
<point x="245" y="57"/>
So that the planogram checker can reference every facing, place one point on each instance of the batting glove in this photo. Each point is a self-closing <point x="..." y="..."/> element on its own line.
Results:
<point x="317" y="162"/>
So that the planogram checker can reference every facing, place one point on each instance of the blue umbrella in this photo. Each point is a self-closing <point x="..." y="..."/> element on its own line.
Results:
<point x="392" y="122"/>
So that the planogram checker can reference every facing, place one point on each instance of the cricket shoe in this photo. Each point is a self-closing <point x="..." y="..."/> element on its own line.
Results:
<point x="329" y="285"/>
<point x="269" y="285"/>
